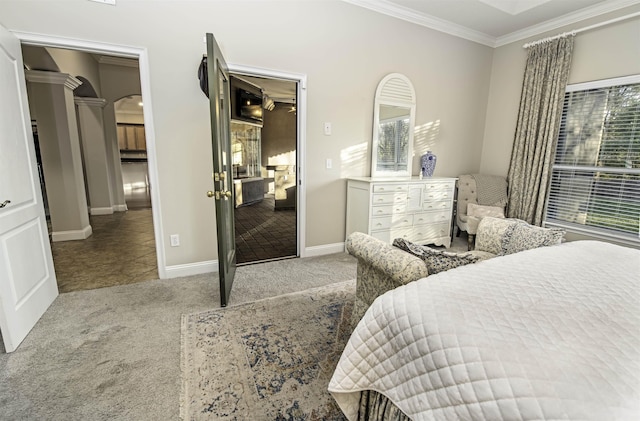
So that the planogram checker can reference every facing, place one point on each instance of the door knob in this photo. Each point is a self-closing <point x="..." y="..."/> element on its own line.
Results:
<point x="210" y="193"/>
<point x="5" y="203"/>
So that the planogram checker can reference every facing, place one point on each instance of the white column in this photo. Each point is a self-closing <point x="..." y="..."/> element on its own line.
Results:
<point x="94" y="151"/>
<point x="51" y="94"/>
<point x="113" y="156"/>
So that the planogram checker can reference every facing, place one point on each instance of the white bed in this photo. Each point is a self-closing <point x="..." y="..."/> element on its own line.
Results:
<point x="549" y="333"/>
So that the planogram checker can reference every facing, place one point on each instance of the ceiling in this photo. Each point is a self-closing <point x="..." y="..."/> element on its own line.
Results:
<point x="276" y="89"/>
<point x="131" y="104"/>
<point x="494" y="22"/>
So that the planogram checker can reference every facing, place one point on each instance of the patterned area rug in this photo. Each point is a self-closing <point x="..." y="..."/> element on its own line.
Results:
<point x="267" y="360"/>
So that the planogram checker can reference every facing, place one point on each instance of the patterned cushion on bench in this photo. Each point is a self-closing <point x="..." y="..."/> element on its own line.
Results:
<point x="436" y="260"/>
<point x="526" y="237"/>
<point x="506" y="236"/>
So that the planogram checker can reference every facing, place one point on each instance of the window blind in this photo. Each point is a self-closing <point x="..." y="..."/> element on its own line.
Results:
<point x="595" y="182"/>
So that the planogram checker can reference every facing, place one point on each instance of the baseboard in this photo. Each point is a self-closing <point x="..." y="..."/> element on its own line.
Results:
<point x="102" y="211"/>
<point x="82" y="234"/>
<point x="120" y="208"/>
<point x="324" y="249"/>
<point x="176" y="271"/>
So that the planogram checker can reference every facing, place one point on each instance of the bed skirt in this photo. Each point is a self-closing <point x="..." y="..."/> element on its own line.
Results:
<point x="375" y="406"/>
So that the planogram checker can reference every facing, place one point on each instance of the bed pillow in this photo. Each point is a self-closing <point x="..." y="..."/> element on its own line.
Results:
<point x="436" y="260"/>
<point x="480" y="211"/>
<point x="524" y="236"/>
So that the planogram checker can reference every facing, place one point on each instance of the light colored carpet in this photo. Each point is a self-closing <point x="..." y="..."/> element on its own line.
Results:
<point x="267" y="360"/>
<point x="114" y="353"/>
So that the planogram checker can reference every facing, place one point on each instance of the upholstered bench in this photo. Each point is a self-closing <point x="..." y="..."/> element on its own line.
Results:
<point x="382" y="266"/>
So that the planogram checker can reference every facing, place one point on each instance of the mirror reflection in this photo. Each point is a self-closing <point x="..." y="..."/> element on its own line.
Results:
<point x="393" y="121"/>
<point x="393" y="138"/>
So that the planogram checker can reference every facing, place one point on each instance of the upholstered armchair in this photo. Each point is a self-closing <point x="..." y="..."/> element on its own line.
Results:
<point x="479" y="195"/>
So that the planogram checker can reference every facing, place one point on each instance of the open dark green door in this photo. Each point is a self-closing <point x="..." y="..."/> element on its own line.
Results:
<point x="220" y="103"/>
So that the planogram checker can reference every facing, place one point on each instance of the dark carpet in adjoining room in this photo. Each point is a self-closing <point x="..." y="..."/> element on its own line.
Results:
<point x="264" y="233"/>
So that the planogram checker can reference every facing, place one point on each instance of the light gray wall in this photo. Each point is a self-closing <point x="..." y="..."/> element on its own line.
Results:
<point x="606" y="52"/>
<point x="279" y="134"/>
<point x="343" y="49"/>
<point x="77" y="64"/>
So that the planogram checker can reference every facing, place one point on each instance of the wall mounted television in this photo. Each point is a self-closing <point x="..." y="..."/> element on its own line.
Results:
<point x="249" y="105"/>
<point x="246" y="102"/>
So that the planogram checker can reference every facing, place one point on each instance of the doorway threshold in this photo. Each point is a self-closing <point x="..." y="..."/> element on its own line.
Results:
<point x="275" y="259"/>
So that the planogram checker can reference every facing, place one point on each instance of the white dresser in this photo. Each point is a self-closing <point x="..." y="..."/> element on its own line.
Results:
<point x="419" y="210"/>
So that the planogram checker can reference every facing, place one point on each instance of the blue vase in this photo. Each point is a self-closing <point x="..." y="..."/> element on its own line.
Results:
<point x="427" y="164"/>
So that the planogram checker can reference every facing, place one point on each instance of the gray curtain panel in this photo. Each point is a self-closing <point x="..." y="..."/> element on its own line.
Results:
<point x="543" y="89"/>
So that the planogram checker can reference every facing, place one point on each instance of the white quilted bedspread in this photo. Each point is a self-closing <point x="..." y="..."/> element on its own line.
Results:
<point x="550" y="333"/>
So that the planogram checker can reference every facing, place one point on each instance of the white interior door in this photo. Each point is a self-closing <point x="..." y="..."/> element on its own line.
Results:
<point x="27" y="280"/>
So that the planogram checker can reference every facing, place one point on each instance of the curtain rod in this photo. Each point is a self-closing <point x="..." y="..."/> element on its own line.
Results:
<point x="577" y="31"/>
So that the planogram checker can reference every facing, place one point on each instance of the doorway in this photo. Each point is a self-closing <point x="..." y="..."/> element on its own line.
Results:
<point x="121" y="247"/>
<point x="265" y="168"/>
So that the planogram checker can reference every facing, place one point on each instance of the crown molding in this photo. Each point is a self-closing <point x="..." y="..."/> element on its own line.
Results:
<point x="390" y="9"/>
<point x="90" y="102"/>
<point x="52" y="78"/>
<point x="568" y="19"/>
<point x="118" y="61"/>
<point x="441" y="25"/>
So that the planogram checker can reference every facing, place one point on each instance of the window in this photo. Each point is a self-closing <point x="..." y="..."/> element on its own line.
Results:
<point x="392" y="144"/>
<point x="595" y="182"/>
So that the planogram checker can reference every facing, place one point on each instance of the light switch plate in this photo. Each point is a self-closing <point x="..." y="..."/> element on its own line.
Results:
<point x="327" y="129"/>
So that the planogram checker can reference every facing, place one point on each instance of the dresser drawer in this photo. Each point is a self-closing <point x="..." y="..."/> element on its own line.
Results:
<point x="437" y="206"/>
<point x="383" y="210"/>
<point x="394" y="221"/>
<point x="390" y="188"/>
<point x="391" y="234"/>
<point x="433" y="187"/>
<point x="436" y="195"/>
<point x="389" y="198"/>
<point x="431" y="217"/>
<point x="424" y="233"/>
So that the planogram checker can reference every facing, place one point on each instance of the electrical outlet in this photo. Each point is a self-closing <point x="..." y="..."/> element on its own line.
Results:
<point x="329" y="163"/>
<point x="175" y="240"/>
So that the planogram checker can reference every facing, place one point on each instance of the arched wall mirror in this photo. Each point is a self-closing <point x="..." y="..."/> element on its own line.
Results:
<point x="393" y="122"/>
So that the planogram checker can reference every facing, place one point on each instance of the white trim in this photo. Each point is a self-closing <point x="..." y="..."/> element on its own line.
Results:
<point x="101" y="211"/>
<point x="568" y="19"/>
<point x="586" y="28"/>
<point x="82" y="234"/>
<point x="391" y="9"/>
<point x="324" y="249"/>
<point x="52" y="78"/>
<point x="120" y="208"/>
<point x="90" y="102"/>
<point x="118" y="61"/>
<point x="176" y="271"/>
<point x="431" y="22"/>
<point x="603" y="83"/>
<point x="140" y="53"/>
<point x="301" y="114"/>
